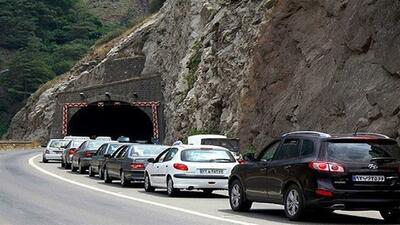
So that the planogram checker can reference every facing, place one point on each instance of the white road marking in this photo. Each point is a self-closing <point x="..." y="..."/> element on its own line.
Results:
<point x="133" y="198"/>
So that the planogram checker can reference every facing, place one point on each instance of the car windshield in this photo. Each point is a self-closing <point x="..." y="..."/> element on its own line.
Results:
<point x="58" y="143"/>
<point x="147" y="150"/>
<point x="94" y="145"/>
<point x="112" y="147"/>
<point x="200" y="155"/>
<point x="363" y="151"/>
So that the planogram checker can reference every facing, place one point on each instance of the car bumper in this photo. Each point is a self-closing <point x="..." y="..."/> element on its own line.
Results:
<point x="85" y="162"/>
<point x="135" y="176"/>
<point x="359" y="200"/>
<point x="184" y="181"/>
<point x="52" y="156"/>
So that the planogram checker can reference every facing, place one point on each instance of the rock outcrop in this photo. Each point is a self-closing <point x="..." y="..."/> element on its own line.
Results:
<point x="325" y="65"/>
<point x="257" y="68"/>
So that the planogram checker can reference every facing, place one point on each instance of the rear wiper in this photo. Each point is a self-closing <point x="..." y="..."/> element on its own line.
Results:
<point x="384" y="159"/>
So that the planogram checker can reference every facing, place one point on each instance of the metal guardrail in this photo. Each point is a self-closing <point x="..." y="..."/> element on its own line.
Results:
<point x="13" y="144"/>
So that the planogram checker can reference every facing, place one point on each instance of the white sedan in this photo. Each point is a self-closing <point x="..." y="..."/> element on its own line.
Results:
<point x="190" y="167"/>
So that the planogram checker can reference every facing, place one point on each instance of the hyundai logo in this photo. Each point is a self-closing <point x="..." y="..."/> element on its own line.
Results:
<point x="372" y="166"/>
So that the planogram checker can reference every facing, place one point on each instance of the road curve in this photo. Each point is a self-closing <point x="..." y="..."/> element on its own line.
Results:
<point x="39" y="193"/>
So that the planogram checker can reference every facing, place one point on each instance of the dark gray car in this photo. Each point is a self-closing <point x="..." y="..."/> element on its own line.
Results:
<point x="82" y="157"/>
<point x="129" y="161"/>
<point x="97" y="163"/>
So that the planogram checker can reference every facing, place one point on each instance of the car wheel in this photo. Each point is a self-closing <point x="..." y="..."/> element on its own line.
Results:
<point x="62" y="164"/>
<point x="91" y="172"/>
<point x="81" y="169"/>
<point x="171" y="191"/>
<point x="67" y="165"/>
<point x="294" y="203"/>
<point x="147" y="184"/>
<point x="44" y="160"/>
<point x="237" y="197"/>
<point x="124" y="181"/>
<point x="391" y="215"/>
<point x="101" y="173"/>
<point x="107" y="178"/>
<point x="73" y="168"/>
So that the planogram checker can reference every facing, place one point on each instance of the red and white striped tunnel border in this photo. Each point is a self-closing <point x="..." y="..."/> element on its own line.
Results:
<point x="153" y="105"/>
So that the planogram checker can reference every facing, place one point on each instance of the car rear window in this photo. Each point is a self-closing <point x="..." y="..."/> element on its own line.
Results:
<point x="200" y="155"/>
<point x="147" y="150"/>
<point x="363" y="151"/>
<point x="58" y="143"/>
<point x="76" y="144"/>
<point x="112" y="148"/>
<point x="94" y="145"/>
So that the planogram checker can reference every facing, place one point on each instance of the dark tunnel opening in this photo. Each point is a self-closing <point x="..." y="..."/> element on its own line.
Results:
<point x="112" y="120"/>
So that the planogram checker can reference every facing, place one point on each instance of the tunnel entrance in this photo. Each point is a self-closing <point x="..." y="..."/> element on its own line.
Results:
<point x="112" y="119"/>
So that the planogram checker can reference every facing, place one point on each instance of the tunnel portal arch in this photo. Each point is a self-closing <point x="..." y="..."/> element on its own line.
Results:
<point x="112" y="118"/>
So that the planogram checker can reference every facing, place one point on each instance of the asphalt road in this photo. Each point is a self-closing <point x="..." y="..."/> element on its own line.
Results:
<point x="32" y="192"/>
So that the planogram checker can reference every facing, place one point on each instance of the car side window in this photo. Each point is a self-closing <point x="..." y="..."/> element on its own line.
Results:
<point x="269" y="152"/>
<point x="101" y="150"/>
<point x="117" y="151"/>
<point x="289" y="149"/>
<point x="307" y="147"/>
<point x="122" y="152"/>
<point x="170" y="155"/>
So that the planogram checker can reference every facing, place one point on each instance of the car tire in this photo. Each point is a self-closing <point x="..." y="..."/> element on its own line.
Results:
<point x="391" y="215"/>
<point x="107" y="178"/>
<point x="237" y="197"/>
<point x="101" y="173"/>
<point x="81" y="169"/>
<point x="124" y="181"/>
<point x="67" y="166"/>
<point x="62" y="164"/>
<point x="44" y="160"/>
<point x="147" y="184"/>
<point x="91" y="172"/>
<point x="294" y="203"/>
<point x="171" y="191"/>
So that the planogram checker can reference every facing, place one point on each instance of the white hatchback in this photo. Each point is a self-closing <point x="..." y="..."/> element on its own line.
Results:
<point x="189" y="167"/>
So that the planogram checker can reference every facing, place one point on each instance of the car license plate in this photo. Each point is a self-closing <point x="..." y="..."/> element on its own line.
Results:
<point x="368" y="178"/>
<point x="211" y="171"/>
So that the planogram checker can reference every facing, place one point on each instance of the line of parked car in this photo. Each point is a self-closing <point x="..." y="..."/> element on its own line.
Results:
<point x="305" y="171"/>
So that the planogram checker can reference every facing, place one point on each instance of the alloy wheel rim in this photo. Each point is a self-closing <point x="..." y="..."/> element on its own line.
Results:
<point x="235" y="195"/>
<point x="292" y="202"/>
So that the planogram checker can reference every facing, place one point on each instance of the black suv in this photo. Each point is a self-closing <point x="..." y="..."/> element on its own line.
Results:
<point x="313" y="171"/>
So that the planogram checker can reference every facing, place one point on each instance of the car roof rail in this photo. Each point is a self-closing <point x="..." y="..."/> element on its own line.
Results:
<point x="304" y="132"/>
<point x="371" y="134"/>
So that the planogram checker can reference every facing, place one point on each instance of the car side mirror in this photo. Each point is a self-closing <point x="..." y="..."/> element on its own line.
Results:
<point x="151" y="160"/>
<point x="249" y="157"/>
<point x="107" y="156"/>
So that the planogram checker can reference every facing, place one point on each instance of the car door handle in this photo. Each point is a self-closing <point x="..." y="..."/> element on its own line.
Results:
<point x="287" y="167"/>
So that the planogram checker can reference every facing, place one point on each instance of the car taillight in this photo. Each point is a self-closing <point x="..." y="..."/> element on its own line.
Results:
<point x="137" y="166"/>
<point x="327" y="167"/>
<point x="88" y="154"/>
<point x="323" y="193"/>
<point x="71" y="151"/>
<point x="47" y="151"/>
<point x="180" y="166"/>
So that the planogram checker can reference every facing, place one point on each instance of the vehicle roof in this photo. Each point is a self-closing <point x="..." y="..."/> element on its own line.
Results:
<point x="325" y="136"/>
<point x="199" y="147"/>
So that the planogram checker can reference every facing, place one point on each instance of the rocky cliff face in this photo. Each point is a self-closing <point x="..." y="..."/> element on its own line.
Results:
<point x="325" y="65"/>
<point x="256" y="69"/>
